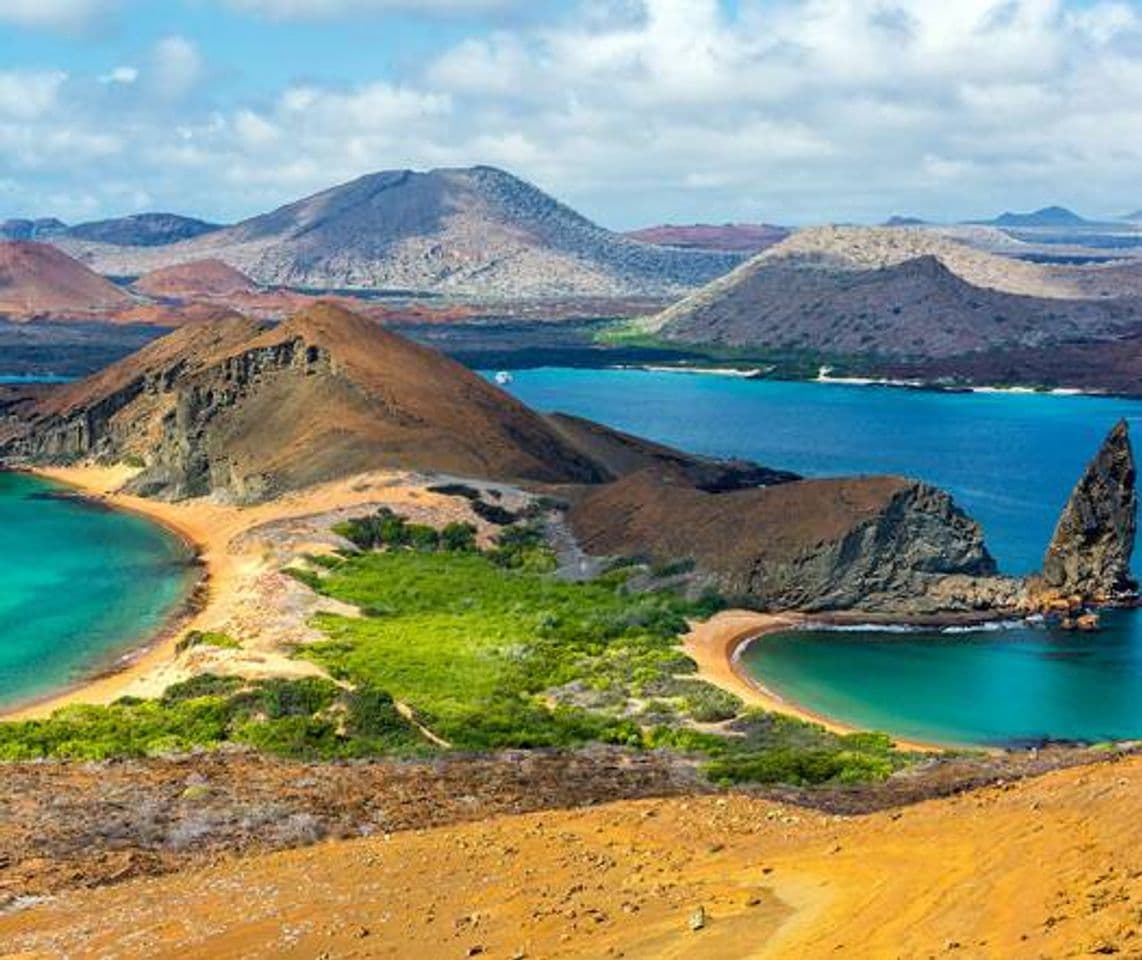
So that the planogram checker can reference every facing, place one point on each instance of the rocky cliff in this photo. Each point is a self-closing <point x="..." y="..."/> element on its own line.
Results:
<point x="876" y="544"/>
<point x="1089" y="555"/>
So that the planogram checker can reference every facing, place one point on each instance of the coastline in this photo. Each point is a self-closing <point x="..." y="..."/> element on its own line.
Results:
<point x="716" y="646"/>
<point x="242" y="590"/>
<point x="107" y="683"/>
<point x="231" y="592"/>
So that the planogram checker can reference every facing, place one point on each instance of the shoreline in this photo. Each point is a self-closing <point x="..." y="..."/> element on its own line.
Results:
<point x="717" y="644"/>
<point x="105" y="683"/>
<point x="241" y="591"/>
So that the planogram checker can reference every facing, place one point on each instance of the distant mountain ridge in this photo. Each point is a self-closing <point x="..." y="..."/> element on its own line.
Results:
<point x="474" y="231"/>
<point x="735" y="237"/>
<point x="1046" y="217"/>
<point x="890" y="292"/>
<point x="137" y="230"/>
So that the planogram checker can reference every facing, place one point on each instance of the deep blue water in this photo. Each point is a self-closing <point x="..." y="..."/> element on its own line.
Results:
<point x="1009" y="459"/>
<point x="80" y="586"/>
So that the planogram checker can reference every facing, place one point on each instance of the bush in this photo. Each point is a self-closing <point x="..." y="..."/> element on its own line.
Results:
<point x="458" y="538"/>
<point x="203" y="685"/>
<point x="456" y="490"/>
<point x="200" y="638"/>
<point x="494" y="513"/>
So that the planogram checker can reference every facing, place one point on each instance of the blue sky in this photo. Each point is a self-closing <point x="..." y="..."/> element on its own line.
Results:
<point x="635" y="111"/>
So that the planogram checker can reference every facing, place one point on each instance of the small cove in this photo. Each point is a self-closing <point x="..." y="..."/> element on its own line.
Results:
<point x="81" y="586"/>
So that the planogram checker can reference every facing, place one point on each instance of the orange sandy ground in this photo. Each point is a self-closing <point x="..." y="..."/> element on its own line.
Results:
<point x="1046" y="868"/>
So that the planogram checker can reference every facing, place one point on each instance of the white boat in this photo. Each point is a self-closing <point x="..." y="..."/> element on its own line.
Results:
<point x="503" y="378"/>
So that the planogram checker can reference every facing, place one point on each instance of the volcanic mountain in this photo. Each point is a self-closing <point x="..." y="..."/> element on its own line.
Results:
<point x="748" y="238"/>
<point x="476" y="231"/>
<point x="247" y="409"/>
<point x="200" y="278"/>
<point x="1047" y="217"/>
<point x="890" y="293"/>
<point x="37" y="279"/>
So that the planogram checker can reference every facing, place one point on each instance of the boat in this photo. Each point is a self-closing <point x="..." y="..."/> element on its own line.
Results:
<point x="503" y="378"/>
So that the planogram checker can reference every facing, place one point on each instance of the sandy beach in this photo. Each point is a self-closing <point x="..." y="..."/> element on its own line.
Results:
<point x="243" y="551"/>
<point x="715" y="645"/>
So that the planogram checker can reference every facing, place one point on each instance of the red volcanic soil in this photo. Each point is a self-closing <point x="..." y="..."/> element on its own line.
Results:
<point x="735" y="237"/>
<point x="37" y="279"/>
<point x="201" y="278"/>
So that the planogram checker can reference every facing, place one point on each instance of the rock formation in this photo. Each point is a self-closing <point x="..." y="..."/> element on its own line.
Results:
<point x="1089" y="555"/>
<point x="876" y="544"/>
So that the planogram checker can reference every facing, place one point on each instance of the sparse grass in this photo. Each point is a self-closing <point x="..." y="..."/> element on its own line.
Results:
<point x="207" y="638"/>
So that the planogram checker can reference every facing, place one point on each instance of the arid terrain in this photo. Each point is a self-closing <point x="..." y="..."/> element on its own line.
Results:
<point x="1036" y="868"/>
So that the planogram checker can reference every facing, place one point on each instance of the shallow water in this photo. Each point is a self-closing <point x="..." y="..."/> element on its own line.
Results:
<point x="80" y="586"/>
<point x="995" y="687"/>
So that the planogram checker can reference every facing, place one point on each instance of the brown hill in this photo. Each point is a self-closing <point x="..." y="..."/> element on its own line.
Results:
<point x="37" y="279"/>
<point x="200" y="278"/>
<point x="864" y="543"/>
<point x="734" y="237"/>
<point x="916" y="308"/>
<point x="621" y="454"/>
<point x="249" y="410"/>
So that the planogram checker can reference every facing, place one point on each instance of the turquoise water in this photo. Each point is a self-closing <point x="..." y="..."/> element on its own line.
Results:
<point x="998" y="687"/>
<point x="1009" y="459"/>
<point x="80" y="586"/>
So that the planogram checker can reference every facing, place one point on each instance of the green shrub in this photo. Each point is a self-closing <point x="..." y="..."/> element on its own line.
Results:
<point x="200" y="638"/>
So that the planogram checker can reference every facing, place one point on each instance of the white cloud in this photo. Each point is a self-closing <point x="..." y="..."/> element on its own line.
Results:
<point x="124" y="76"/>
<point x="27" y="95"/>
<point x="53" y="14"/>
<point x="176" y="66"/>
<point x="320" y="9"/>
<point x="649" y="110"/>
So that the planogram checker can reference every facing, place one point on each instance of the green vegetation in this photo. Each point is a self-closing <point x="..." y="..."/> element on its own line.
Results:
<point x="387" y="529"/>
<point x="483" y="650"/>
<point x="784" y="362"/>
<point x="309" y="718"/>
<point x="207" y="638"/>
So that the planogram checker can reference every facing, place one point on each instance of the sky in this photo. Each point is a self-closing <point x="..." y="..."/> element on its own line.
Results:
<point x="633" y="111"/>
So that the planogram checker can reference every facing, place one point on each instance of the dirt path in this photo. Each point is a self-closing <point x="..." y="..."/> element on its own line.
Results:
<point x="1046" y="868"/>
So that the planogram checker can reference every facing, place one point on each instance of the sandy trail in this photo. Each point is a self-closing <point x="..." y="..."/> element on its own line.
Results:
<point x="1045" y="868"/>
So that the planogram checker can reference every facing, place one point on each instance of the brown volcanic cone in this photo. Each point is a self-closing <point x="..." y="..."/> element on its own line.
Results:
<point x="39" y="279"/>
<point x="201" y="278"/>
<point x="238" y="407"/>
